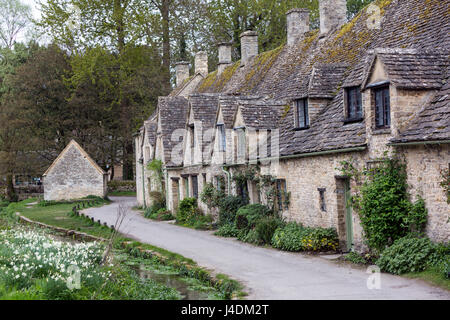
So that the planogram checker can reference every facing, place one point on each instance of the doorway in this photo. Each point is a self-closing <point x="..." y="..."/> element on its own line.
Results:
<point x="345" y="213"/>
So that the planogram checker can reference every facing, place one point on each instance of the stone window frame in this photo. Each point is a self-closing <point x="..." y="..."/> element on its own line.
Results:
<point x="221" y="132"/>
<point x="385" y="128"/>
<point x="322" y="199"/>
<point x="281" y="185"/>
<point x="352" y="119"/>
<point x="305" y="106"/>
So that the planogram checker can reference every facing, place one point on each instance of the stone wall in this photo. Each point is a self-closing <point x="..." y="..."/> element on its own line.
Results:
<point x="424" y="167"/>
<point x="74" y="177"/>
<point x="304" y="177"/>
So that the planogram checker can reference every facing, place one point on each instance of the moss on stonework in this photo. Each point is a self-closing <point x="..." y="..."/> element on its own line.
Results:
<point x="208" y="81"/>
<point x="262" y="64"/>
<point x="226" y="75"/>
<point x="218" y="82"/>
<point x="286" y="110"/>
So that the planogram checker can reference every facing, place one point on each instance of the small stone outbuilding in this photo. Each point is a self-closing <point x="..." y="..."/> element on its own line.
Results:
<point x="74" y="175"/>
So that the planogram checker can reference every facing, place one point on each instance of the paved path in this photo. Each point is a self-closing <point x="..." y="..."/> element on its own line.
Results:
<point x="267" y="273"/>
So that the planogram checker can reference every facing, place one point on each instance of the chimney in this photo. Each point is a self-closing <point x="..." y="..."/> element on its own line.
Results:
<point x="333" y="14"/>
<point x="224" y="56"/>
<point x="297" y="25"/>
<point x="182" y="71"/>
<point x="249" y="46"/>
<point x="201" y="63"/>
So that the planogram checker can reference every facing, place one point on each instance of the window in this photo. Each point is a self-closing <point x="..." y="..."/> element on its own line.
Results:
<point x="281" y="195"/>
<point x="301" y="114"/>
<point x="222" y="138"/>
<point x="382" y="107"/>
<point x="220" y="183"/>
<point x="354" y="103"/>
<point x="195" y="187"/>
<point x="242" y="191"/>
<point x="241" y="145"/>
<point x="186" y="187"/>
<point x="323" y="206"/>
<point x="192" y="135"/>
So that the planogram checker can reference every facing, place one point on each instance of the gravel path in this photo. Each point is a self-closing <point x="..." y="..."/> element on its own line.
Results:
<point x="267" y="273"/>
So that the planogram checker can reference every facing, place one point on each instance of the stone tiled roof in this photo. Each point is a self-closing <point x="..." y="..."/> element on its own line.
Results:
<point x="173" y="113"/>
<point x="285" y="74"/>
<point x="413" y="69"/>
<point x="150" y="129"/>
<point x="261" y="115"/>
<point x="204" y="107"/>
<point x="433" y="123"/>
<point x="325" y="79"/>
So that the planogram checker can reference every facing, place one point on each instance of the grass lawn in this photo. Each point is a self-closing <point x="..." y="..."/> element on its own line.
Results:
<point x="122" y="194"/>
<point x="58" y="215"/>
<point x="431" y="276"/>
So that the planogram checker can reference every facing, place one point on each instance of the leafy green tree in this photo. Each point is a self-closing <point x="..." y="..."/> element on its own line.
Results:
<point x="14" y="134"/>
<point x="107" y="43"/>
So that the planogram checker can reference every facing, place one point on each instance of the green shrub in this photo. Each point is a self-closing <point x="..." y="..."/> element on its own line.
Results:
<point x="161" y="215"/>
<point x="152" y="211"/>
<point x="265" y="228"/>
<point x="320" y="239"/>
<point x="288" y="238"/>
<point x="228" y="208"/>
<point x="383" y="204"/>
<point x="409" y="254"/>
<point x="294" y="237"/>
<point x="187" y="210"/>
<point x="227" y="230"/>
<point x="249" y="236"/>
<point x="248" y="216"/>
<point x="416" y="220"/>
<point x="355" y="258"/>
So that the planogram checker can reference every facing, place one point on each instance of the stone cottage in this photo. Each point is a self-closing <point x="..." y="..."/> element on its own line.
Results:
<point x="348" y="91"/>
<point x="74" y="175"/>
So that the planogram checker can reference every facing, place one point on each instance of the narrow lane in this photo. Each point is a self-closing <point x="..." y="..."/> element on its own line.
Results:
<point x="267" y="273"/>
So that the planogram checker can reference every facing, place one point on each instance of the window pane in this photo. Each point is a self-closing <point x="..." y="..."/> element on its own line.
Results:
<point x="387" y="107"/>
<point x="305" y="104"/>
<point x="300" y="113"/>
<point x="379" y="108"/>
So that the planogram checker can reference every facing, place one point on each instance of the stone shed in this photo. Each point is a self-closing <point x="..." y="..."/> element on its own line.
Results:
<point x="74" y="175"/>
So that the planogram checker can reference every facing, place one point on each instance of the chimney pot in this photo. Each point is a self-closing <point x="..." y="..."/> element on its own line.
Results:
<point x="224" y="56"/>
<point x="333" y="14"/>
<point x="249" y="46"/>
<point x="297" y="25"/>
<point x="182" y="72"/>
<point x="201" y="63"/>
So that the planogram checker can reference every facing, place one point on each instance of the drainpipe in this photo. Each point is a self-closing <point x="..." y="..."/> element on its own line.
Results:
<point x="141" y="161"/>
<point x="228" y="174"/>
<point x="166" y="182"/>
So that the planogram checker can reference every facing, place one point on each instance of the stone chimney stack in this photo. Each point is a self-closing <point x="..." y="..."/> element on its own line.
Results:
<point x="201" y="63"/>
<point x="333" y="14"/>
<point x="297" y="25"/>
<point x="249" y="46"/>
<point x="224" y="56"/>
<point x="182" y="71"/>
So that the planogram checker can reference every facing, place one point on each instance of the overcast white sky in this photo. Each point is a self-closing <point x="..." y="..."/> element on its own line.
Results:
<point x="34" y="6"/>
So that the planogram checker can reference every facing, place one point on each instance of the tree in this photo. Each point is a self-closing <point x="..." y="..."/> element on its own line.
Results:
<point x="229" y="18"/>
<point x="14" y="18"/>
<point x="14" y="134"/>
<point x="355" y="6"/>
<point x="114" y="29"/>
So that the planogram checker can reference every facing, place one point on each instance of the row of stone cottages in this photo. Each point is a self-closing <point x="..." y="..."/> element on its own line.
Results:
<point x="350" y="90"/>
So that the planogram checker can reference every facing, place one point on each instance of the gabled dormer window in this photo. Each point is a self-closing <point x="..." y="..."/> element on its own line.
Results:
<point x="353" y="104"/>
<point x="301" y="114"/>
<point x="382" y="107"/>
